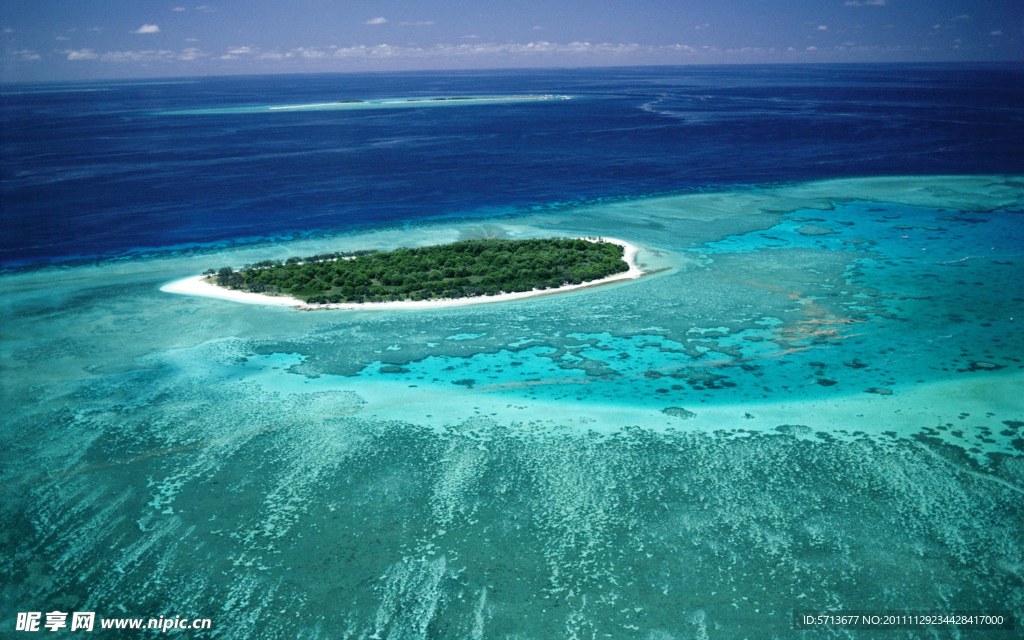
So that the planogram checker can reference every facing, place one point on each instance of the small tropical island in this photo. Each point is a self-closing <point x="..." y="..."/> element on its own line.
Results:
<point x="460" y="272"/>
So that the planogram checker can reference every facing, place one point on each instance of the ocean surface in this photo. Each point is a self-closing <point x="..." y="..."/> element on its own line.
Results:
<point x="812" y="402"/>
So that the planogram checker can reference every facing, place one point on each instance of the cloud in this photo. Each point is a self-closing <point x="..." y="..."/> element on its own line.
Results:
<point x="422" y="23"/>
<point x="471" y="37"/>
<point x="537" y="28"/>
<point x="466" y="50"/>
<point x="377" y="20"/>
<point x="82" y="54"/>
<point x="699" y="27"/>
<point x="178" y="9"/>
<point x="148" y="28"/>
<point x="962" y="16"/>
<point x="63" y="38"/>
<point x="8" y="30"/>
<point x="822" y="27"/>
<point x="26" y="55"/>
<point x="865" y="3"/>
<point x="494" y="49"/>
<point x="148" y="55"/>
<point x="997" y="32"/>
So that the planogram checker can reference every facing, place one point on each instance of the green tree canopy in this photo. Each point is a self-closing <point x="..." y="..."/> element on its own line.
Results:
<point x="458" y="270"/>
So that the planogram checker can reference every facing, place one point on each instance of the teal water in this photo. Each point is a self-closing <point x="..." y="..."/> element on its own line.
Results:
<point x="811" y="402"/>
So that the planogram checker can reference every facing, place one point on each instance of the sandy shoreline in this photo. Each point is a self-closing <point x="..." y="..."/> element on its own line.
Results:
<point x="195" y="286"/>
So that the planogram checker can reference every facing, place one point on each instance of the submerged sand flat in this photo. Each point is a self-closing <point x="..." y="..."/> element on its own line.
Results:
<point x="198" y="286"/>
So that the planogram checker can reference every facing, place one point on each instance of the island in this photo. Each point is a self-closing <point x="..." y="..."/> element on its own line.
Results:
<point x="462" y="272"/>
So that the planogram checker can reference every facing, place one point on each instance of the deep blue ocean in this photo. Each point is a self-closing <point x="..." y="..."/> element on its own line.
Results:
<point x="93" y="169"/>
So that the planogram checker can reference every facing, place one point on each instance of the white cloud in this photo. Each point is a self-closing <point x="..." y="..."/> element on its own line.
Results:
<point x="377" y="20"/>
<point x="822" y="27"/>
<point x="63" y="38"/>
<point x="962" y="16"/>
<point x="471" y="37"/>
<point x="702" y="26"/>
<point x="865" y="3"/>
<point x="191" y="39"/>
<point x="538" y="28"/>
<point x="178" y="9"/>
<point x="82" y="54"/>
<point x="422" y="23"/>
<point x="27" y="55"/>
<point x="494" y="49"/>
<point x="148" y="28"/>
<point x="128" y="56"/>
<point x="145" y="55"/>
<point x="536" y="50"/>
<point x="305" y="52"/>
<point x="8" y="30"/>
<point x="995" y="33"/>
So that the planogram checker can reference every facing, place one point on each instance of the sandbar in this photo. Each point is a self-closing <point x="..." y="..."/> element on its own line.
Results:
<point x="198" y="286"/>
<point x="364" y="104"/>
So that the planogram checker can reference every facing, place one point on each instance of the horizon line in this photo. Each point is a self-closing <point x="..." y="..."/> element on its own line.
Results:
<point x="486" y="70"/>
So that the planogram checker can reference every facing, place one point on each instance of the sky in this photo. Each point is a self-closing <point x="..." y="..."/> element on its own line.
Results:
<point x="45" y="40"/>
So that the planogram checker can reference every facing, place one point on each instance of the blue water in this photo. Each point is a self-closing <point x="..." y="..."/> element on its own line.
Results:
<point x="811" y="401"/>
<point x="97" y="173"/>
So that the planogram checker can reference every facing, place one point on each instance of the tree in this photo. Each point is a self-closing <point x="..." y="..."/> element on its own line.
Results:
<point x="224" y="276"/>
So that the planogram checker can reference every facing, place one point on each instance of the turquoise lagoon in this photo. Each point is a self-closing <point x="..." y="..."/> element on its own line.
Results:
<point x="812" y="401"/>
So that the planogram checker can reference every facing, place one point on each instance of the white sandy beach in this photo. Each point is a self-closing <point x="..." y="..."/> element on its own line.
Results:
<point x="197" y="286"/>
